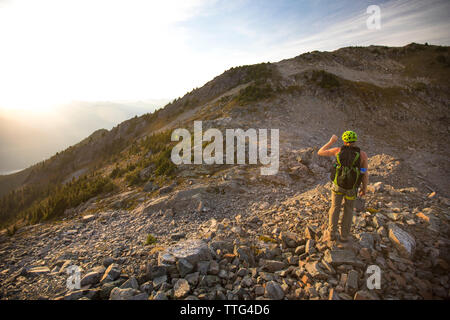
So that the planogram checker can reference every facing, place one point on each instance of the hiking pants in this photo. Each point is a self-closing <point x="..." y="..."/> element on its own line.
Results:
<point x="337" y="195"/>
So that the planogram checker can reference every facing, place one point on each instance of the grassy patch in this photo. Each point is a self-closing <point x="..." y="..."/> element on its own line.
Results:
<point x="267" y="239"/>
<point x="68" y="196"/>
<point x="325" y="79"/>
<point x="151" y="239"/>
<point x="372" y="210"/>
<point x="254" y="93"/>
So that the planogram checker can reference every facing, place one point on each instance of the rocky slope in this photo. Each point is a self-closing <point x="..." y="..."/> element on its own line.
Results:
<point x="226" y="232"/>
<point x="217" y="242"/>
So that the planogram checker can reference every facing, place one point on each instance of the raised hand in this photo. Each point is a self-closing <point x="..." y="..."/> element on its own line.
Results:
<point x="333" y="138"/>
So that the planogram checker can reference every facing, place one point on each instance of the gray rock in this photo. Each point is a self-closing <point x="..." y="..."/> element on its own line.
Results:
<point x="146" y="287"/>
<point x="123" y="294"/>
<point x="74" y="295"/>
<point x="140" y="296"/>
<point x="184" y="267"/>
<point x="340" y="256"/>
<point x="111" y="273"/>
<point x="149" y="187"/>
<point x="223" y="274"/>
<point x="159" y="296"/>
<point x="93" y="276"/>
<point x="192" y="278"/>
<point x="366" y="240"/>
<point x="210" y="280"/>
<point x="203" y="267"/>
<point x="166" y="189"/>
<point x="157" y="271"/>
<point x="157" y="282"/>
<point x="165" y="258"/>
<point x="352" y="281"/>
<point x="181" y="289"/>
<point x="274" y="291"/>
<point x="221" y="245"/>
<point x="130" y="283"/>
<point x="272" y="265"/>
<point x="191" y="250"/>
<point x="316" y="271"/>
<point x="242" y="272"/>
<point x="245" y="254"/>
<point x="289" y="239"/>
<point x="402" y="240"/>
<point x="107" y="262"/>
<point x="105" y="290"/>
<point x="214" y="267"/>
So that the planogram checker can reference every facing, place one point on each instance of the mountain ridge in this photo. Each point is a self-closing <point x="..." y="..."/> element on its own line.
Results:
<point x="140" y="227"/>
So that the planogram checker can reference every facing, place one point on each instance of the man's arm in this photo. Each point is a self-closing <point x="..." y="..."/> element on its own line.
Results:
<point x="325" y="151"/>
<point x="365" y="177"/>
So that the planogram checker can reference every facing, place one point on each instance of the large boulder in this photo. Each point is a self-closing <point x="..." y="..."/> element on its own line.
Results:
<point x="340" y="256"/>
<point x="192" y="251"/>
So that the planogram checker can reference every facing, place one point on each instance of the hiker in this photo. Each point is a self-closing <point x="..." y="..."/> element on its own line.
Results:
<point x="349" y="170"/>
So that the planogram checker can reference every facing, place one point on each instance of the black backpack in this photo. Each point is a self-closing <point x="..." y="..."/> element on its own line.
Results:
<point x="345" y="172"/>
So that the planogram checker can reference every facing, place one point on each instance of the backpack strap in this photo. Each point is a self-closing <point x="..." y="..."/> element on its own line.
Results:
<point x="338" y="162"/>
<point x="356" y="169"/>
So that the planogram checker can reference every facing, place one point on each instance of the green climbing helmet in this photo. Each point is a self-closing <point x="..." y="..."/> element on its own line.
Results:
<point x="349" y="136"/>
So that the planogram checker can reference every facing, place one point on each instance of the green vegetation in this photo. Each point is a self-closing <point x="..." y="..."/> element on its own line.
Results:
<point x="267" y="239"/>
<point x="372" y="210"/>
<point x="253" y="93"/>
<point x="18" y="200"/>
<point x="154" y="151"/>
<point x="151" y="239"/>
<point x="325" y="79"/>
<point x="259" y="71"/>
<point x="68" y="196"/>
<point x="133" y="178"/>
<point x="158" y="149"/>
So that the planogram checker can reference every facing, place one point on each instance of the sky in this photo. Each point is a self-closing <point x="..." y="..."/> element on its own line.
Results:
<point x="59" y="51"/>
<point x="111" y="59"/>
